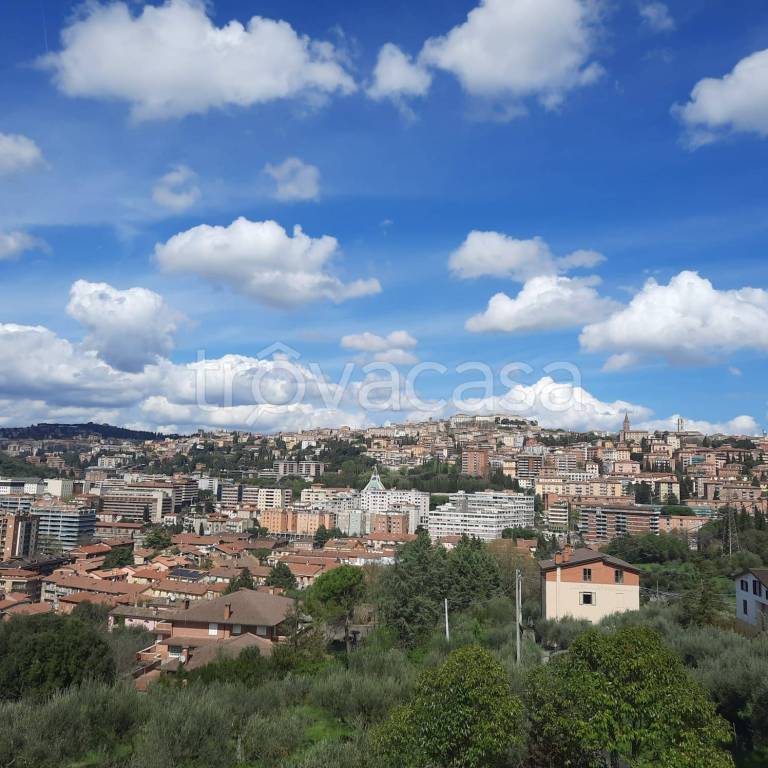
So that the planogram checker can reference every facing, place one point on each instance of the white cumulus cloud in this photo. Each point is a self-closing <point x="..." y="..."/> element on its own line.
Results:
<point x="686" y="321"/>
<point x="736" y="102"/>
<point x="392" y="348"/>
<point x="262" y="260"/>
<point x="129" y="329"/>
<point x="516" y="49"/>
<point x="176" y="190"/>
<point x="18" y="153"/>
<point x="171" y="60"/>
<point x="494" y="254"/>
<point x="295" y="180"/>
<point x="396" y="76"/>
<point x="544" y="303"/>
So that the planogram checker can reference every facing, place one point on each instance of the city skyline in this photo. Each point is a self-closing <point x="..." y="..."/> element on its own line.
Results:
<point x="385" y="187"/>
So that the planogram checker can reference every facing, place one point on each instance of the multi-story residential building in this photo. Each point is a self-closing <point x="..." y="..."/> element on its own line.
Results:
<point x="474" y="462"/>
<point x="60" y="487"/>
<point x="309" y="470"/>
<point x="376" y="498"/>
<point x="602" y="524"/>
<point x="529" y="465"/>
<point x="64" y="525"/>
<point x="561" y="486"/>
<point x="18" y="535"/>
<point x="135" y="504"/>
<point x="585" y="584"/>
<point x="231" y="494"/>
<point x="266" y="498"/>
<point x="556" y="516"/>
<point x="484" y="515"/>
<point x="752" y="600"/>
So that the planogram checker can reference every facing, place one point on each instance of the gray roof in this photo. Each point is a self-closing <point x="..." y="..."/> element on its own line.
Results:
<point x="585" y="555"/>
<point x="247" y="607"/>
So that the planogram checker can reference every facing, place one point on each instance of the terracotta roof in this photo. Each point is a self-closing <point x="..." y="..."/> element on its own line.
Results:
<point x="181" y="587"/>
<point x="247" y="607"/>
<point x="583" y="556"/>
<point x="86" y="584"/>
<point x="228" y="648"/>
<point x="29" y="609"/>
<point x="16" y="573"/>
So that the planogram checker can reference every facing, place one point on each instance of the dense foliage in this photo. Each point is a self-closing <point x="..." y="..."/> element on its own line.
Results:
<point x="42" y="654"/>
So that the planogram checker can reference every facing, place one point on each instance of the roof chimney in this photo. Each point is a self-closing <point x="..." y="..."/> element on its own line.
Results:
<point x="558" y="558"/>
<point x="567" y="552"/>
<point x="227" y="611"/>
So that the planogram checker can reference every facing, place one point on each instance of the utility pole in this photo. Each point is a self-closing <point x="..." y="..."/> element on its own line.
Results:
<point x="447" y="628"/>
<point x="518" y="609"/>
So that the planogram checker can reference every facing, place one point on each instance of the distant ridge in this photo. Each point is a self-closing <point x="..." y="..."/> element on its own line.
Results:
<point x="45" y="431"/>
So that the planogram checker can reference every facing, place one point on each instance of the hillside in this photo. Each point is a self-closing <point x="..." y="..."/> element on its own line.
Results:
<point x="62" y="431"/>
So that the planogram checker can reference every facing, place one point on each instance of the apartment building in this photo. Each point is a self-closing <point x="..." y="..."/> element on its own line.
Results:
<point x="556" y="516"/>
<point x="18" y="535"/>
<point x="309" y="470"/>
<point x="603" y="524"/>
<point x="64" y="525"/>
<point x="529" y="465"/>
<point x="474" y="462"/>
<point x="586" y="584"/>
<point x="484" y="514"/>
<point x="266" y="498"/>
<point x="376" y="498"/>
<point x="135" y="504"/>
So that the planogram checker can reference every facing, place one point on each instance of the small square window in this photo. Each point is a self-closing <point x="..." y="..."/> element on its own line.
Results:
<point x="587" y="598"/>
<point x="237" y="629"/>
<point x="213" y="629"/>
<point x="586" y="574"/>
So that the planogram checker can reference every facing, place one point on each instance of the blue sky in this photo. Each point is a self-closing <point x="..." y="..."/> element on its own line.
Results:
<point x="587" y="154"/>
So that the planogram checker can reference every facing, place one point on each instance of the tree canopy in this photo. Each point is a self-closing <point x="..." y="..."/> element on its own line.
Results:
<point x="462" y="715"/>
<point x="43" y="654"/>
<point x="623" y="698"/>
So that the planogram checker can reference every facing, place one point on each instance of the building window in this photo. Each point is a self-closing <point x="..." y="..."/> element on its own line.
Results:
<point x="236" y="629"/>
<point x="618" y="576"/>
<point x="586" y="598"/>
<point x="586" y="574"/>
<point x="213" y="629"/>
<point x="744" y="585"/>
<point x="756" y="588"/>
<point x="744" y="608"/>
<point x="261" y="631"/>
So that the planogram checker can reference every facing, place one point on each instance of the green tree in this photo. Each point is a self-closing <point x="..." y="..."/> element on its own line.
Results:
<point x="335" y="594"/>
<point x="281" y="576"/>
<point x="321" y="536"/>
<point x="243" y="580"/>
<point x="43" y="654"/>
<point x="157" y="538"/>
<point x="462" y="715"/>
<point x="118" y="557"/>
<point x="623" y="699"/>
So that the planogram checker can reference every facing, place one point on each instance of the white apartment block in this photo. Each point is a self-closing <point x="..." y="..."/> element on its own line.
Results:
<point x="383" y="500"/>
<point x="484" y="514"/>
<point x="65" y="525"/>
<point x="60" y="487"/>
<point x="266" y="498"/>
